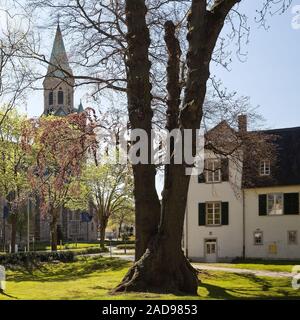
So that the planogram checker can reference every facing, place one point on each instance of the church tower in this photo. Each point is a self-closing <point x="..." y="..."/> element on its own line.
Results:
<point x="59" y="82"/>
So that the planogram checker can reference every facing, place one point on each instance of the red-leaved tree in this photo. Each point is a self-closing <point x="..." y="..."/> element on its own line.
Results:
<point x="59" y="147"/>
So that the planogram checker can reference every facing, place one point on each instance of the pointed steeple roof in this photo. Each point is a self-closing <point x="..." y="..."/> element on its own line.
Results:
<point x="80" y="108"/>
<point x="59" y="59"/>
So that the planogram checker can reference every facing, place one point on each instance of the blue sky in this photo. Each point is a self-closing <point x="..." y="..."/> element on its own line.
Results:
<point x="269" y="76"/>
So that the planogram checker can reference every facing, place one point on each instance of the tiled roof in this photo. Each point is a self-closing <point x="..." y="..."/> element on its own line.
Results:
<point x="286" y="167"/>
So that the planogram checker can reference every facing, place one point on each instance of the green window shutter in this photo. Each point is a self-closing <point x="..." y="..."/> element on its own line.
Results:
<point x="202" y="214"/>
<point x="262" y="204"/>
<point x="291" y="203"/>
<point x="225" y="169"/>
<point x="225" y="213"/>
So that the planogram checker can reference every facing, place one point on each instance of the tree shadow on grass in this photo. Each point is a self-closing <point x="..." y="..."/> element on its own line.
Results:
<point x="287" y="296"/>
<point x="7" y="295"/>
<point x="248" y="286"/>
<point x="216" y="292"/>
<point x="266" y="285"/>
<point x="69" y="271"/>
<point x="262" y="282"/>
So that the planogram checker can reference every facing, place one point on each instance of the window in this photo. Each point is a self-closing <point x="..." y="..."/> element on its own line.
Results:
<point x="292" y="237"/>
<point x="69" y="98"/>
<point x="211" y="246"/>
<point x="275" y="204"/>
<point x="213" y="213"/>
<point x="60" y="97"/>
<point x="258" y="238"/>
<point x="74" y="227"/>
<point x="50" y="98"/>
<point x="278" y="204"/>
<point x="265" y="168"/>
<point x="213" y="170"/>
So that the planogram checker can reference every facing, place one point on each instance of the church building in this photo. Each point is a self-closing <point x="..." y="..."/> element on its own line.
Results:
<point x="59" y="101"/>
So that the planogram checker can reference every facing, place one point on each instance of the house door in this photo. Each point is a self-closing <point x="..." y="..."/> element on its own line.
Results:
<point x="211" y="250"/>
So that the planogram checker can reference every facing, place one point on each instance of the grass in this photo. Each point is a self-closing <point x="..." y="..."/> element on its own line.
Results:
<point x="92" y="278"/>
<point x="277" y="266"/>
<point x="41" y="246"/>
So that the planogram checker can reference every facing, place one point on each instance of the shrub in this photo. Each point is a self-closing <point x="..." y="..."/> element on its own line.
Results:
<point x="33" y="258"/>
<point x="89" y="251"/>
<point x="127" y="246"/>
<point x="28" y="258"/>
<point x="117" y="242"/>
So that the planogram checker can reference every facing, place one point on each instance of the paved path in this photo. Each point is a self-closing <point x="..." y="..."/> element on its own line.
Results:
<point x="262" y="273"/>
<point x="114" y="254"/>
<point x="202" y="266"/>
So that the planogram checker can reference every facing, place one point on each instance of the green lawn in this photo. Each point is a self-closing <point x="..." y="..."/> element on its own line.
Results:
<point x="92" y="278"/>
<point x="279" y="266"/>
<point x="42" y="246"/>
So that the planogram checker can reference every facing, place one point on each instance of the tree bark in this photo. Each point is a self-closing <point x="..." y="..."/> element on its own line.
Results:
<point x="163" y="267"/>
<point x="103" y="225"/>
<point x="120" y="229"/>
<point x="139" y="97"/>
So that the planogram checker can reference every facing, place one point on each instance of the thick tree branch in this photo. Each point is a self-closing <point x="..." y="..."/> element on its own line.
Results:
<point x="222" y="7"/>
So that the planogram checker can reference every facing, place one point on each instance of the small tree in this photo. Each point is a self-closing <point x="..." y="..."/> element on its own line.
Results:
<point x="108" y="189"/>
<point x="14" y="162"/>
<point x="122" y="218"/>
<point x="58" y="147"/>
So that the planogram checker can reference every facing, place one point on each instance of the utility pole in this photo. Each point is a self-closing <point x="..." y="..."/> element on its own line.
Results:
<point x="5" y="215"/>
<point x="87" y="231"/>
<point x="28" y="225"/>
<point x="4" y="234"/>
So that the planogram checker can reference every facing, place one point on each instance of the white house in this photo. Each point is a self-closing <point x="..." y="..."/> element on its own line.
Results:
<point x="246" y="208"/>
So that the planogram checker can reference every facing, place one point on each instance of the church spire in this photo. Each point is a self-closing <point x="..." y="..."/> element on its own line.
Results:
<point x="59" y="60"/>
<point x="59" y="81"/>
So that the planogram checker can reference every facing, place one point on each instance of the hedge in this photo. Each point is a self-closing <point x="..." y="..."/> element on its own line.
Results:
<point x="31" y="258"/>
<point x="89" y="251"/>
<point x="118" y="242"/>
<point x="127" y="246"/>
<point x="27" y="258"/>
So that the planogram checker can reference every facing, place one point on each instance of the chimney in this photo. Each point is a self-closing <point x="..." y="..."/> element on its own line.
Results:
<point x="242" y="123"/>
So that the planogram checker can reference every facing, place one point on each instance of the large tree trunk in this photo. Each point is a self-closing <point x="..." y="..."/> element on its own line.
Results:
<point x="139" y="97"/>
<point x="147" y="207"/>
<point x="163" y="267"/>
<point x="13" y="232"/>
